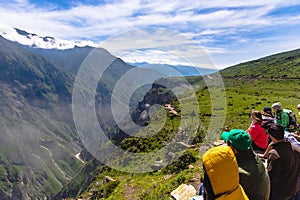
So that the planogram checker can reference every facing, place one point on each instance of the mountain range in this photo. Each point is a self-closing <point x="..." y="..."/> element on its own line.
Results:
<point x="176" y="70"/>
<point x="39" y="141"/>
<point x="51" y="48"/>
<point x="248" y="86"/>
<point x="36" y="41"/>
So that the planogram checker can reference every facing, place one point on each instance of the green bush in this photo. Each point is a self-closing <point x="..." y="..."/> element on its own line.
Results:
<point x="106" y="190"/>
<point x="181" y="179"/>
<point x="181" y="163"/>
<point x="200" y="135"/>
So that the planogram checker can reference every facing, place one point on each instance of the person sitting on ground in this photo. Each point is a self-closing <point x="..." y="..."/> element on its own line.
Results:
<point x="282" y="118"/>
<point x="283" y="165"/>
<point x="251" y="168"/>
<point x="257" y="133"/>
<point x="288" y="136"/>
<point x="221" y="178"/>
<point x="267" y="115"/>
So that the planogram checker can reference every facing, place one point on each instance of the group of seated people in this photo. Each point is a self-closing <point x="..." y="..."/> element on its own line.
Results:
<point x="236" y="170"/>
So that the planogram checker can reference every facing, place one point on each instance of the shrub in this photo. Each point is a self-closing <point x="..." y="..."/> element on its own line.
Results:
<point x="106" y="190"/>
<point x="200" y="135"/>
<point x="181" y="163"/>
<point x="181" y="179"/>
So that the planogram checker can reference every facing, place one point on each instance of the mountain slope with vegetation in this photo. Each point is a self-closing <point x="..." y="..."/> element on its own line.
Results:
<point x="247" y="89"/>
<point x="39" y="139"/>
<point x="282" y="65"/>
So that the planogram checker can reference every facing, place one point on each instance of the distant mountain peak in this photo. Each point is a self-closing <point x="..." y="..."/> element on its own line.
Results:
<point x="36" y="41"/>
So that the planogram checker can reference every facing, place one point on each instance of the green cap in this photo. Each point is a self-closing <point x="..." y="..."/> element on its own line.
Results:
<point x="238" y="138"/>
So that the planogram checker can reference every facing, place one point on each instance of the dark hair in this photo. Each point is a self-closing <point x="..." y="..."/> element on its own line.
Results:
<point x="277" y="131"/>
<point x="267" y="124"/>
<point x="256" y="115"/>
<point x="267" y="110"/>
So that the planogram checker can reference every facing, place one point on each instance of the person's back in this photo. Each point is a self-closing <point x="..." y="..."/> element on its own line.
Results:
<point x="252" y="173"/>
<point x="258" y="136"/>
<point x="283" y="165"/>
<point x="282" y="118"/>
<point x="284" y="168"/>
<point x="221" y="179"/>
<point x="253" y="176"/>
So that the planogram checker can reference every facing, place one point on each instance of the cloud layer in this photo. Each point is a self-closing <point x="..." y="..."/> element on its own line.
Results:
<point x="231" y="31"/>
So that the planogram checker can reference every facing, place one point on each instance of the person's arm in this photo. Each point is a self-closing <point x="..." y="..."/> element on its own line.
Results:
<point x="269" y="148"/>
<point x="265" y="155"/>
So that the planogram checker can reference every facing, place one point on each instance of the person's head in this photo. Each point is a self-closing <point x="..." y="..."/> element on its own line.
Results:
<point x="276" y="132"/>
<point x="267" y="110"/>
<point x="220" y="166"/>
<point x="238" y="139"/>
<point x="256" y="116"/>
<point x="277" y="107"/>
<point x="298" y="107"/>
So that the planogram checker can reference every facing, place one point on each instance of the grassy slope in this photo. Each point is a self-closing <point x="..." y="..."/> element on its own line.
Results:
<point x="285" y="64"/>
<point x="243" y="94"/>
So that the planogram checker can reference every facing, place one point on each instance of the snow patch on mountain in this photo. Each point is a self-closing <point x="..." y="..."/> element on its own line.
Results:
<point x="33" y="40"/>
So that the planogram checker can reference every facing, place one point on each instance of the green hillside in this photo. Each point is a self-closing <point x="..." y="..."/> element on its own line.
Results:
<point x="248" y="86"/>
<point x="39" y="141"/>
<point x="282" y="65"/>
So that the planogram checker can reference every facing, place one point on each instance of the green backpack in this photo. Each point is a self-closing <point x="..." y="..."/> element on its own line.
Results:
<point x="292" y="116"/>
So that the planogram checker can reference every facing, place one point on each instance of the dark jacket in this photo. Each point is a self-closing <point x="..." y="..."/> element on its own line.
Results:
<point x="253" y="175"/>
<point x="284" y="169"/>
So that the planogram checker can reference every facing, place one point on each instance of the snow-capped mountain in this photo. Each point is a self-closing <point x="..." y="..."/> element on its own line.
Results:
<point x="156" y="59"/>
<point x="34" y="40"/>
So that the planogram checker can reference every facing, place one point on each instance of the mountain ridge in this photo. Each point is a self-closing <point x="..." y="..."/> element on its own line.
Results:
<point x="39" y="139"/>
<point x="176" y="70"/>
<point x="252" y="90"/>
<point x="36" y="116"/>
<point x="36" y="41"/>
<point x="280" y="65"/>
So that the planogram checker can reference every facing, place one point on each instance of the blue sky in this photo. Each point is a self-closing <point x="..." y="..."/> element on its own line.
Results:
<point x="230" y="31"/>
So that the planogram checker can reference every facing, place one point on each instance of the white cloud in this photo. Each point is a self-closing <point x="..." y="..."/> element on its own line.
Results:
<point x="204" y="21"/>
<point x="111" y="18"/>
<point x="162" y="45"/>
<point x="34" y="40"/>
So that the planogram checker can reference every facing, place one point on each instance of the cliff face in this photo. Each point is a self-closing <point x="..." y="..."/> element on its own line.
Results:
<point x="79" y="182"/>
<point x="38" y="136"/>
<point x="158" y="94"/>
